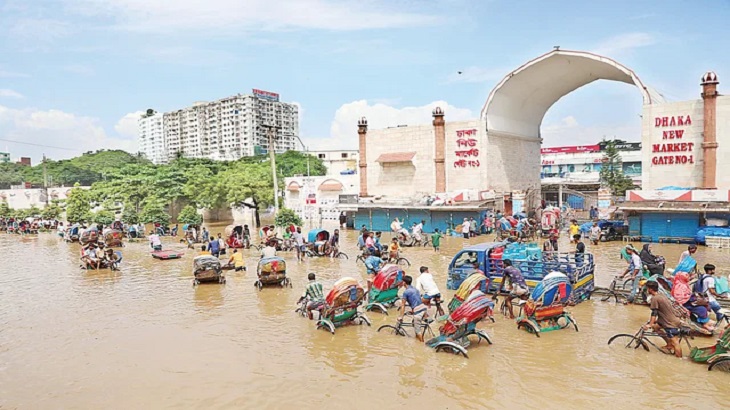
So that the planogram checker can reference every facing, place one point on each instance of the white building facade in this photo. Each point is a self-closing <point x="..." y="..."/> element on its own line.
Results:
<point x="225" y="129"/>
<point x="151" y="137"/>
<point x="338" y="162"/>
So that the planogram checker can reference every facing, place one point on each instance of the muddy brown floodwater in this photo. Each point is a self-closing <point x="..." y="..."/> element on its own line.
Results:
<point x="143" y="337"/>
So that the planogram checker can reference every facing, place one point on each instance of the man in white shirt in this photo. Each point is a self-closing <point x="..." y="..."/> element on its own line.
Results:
<point x="427" y="286"/>
<point x="417" y="229"/>
<point x="155" y="241"/>
<point x="465" y="228"/>
<point x="634" y="270"/>
<point x="299" y="240"/>
<point x="269" y="251"/>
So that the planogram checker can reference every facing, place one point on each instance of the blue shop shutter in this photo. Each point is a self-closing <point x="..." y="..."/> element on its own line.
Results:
<point x="381" y="222"/>
<point x="362" y="217"/>
<point x="440" y="220"/>
<point x="658" y="225"/>
<point x="634" y="225"/>
<point x="576" y="202"/>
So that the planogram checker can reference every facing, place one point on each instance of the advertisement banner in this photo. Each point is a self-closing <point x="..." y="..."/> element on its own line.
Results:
<point x="266" y="95"/>
<point x="571" y="149"/>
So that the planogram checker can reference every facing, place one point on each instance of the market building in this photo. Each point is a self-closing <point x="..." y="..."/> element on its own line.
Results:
<point x="571" y="174"/>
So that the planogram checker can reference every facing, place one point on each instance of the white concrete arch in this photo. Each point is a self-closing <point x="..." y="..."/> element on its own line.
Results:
<point x="517" y="105"/>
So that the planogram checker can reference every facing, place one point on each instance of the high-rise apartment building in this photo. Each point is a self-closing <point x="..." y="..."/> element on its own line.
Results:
<point x="226" y="129"/>
<point x="151" y="138"/>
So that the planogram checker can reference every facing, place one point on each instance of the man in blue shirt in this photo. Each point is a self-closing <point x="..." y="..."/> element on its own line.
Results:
<point x="214" y="247"/>
<point x="412" y="297"/>
<point x="373" y="264"/>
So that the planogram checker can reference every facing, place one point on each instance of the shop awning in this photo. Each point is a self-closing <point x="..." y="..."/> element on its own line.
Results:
<point x="393" y="157"/>
<point x="675" y="206"/>
<point x="331" y="186"/>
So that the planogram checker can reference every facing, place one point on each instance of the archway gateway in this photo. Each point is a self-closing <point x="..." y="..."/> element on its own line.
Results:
<point x="517" y="105"/>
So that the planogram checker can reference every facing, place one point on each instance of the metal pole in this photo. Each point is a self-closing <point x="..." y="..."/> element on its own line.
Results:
<point x="272" y="157"/>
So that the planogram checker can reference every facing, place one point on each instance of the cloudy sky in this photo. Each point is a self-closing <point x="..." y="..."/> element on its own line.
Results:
<point x="74" y="74"/>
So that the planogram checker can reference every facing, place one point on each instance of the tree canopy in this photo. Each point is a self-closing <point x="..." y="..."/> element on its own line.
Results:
<point x="612" y="175"/>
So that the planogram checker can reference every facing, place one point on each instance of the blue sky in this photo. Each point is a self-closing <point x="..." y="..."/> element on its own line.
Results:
<point x="74" y="73"/>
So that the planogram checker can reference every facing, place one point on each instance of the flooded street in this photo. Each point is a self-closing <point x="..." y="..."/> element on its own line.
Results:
<point x="143" y="337"/>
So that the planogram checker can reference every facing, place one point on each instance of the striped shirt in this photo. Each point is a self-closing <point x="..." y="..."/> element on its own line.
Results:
<point x="314" y="291"/>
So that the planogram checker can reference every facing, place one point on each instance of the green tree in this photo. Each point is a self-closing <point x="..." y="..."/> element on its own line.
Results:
<point x="612" y="175"/>
<point x="103" y="217"/>
<point x="293" y="163"/>
<point x="154" y="212"/>
<point x="78" y="205"/>
<point x="189" y="215"/>
<point x="52" y="211"/>
<point x="249" y="185"/>
<point x="130" y="215"/>
<point x="287" y="217"/>
<point x="5" y="210"/>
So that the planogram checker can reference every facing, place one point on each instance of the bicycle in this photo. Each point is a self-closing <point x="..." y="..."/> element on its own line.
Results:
<point x="642" y="339"/>
<point x="302" y="308"/>
<point x="617" y="287"/>
<point x="400" y="328"/>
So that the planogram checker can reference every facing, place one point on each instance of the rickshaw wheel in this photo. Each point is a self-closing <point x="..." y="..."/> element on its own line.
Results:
<point x="483" y="335"/>
<point x="342" y="255"/>
<point x="392" y="330"/>
<point x="364" y="319"/>
<point x="403" y="262"/>
<point x="321" y="324"/>
<point x="451" y="348"/>
<point x="722" y="363"/>
<point x="529" y="327"/>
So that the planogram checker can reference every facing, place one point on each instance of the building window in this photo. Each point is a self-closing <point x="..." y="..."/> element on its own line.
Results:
<point x="320" y="156"/>
<point x="344" y="155"/>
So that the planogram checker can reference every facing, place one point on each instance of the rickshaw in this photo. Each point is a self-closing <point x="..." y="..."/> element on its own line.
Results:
<point x="461" y="323"/>
<point x="113" y="238"/>
<point x="272" y="271"/>
<point x="236" y="237"/>
<point x="207" y="269"/>
<point x="716" y="356"/>
<point x="72" y="234"/>
<point x="545" y="310"/>
<point x="475" y="281"/>
<point x="90" y="235"/>
<point x="384" y="292"/>
<point x="318" y="244"/>
<point x="341" y="306"/>
<point x="112" y="262"/>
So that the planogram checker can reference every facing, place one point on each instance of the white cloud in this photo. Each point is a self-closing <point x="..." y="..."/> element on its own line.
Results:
<point x="477" y="75"/>
<point x="569" y="132"/>
<point x="56" y="128"/>
<point x="7" y="93"/>
<point x="624" y="42"/>
<point x="343" y="130"/>
<point x="221" y="16"/>
<point x="32" y="34"/>
<point x="127" y="125"/>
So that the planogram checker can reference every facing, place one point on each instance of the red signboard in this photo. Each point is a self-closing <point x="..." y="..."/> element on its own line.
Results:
<point x="570" y="150"/>
<point x="268" y="95"/>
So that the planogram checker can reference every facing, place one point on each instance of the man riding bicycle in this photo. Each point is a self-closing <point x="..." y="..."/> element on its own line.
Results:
<point x="427" y="286"/>
<point x="412" y="298"/>
<point x="314" y="293"/>
<point x="514" y="277"/>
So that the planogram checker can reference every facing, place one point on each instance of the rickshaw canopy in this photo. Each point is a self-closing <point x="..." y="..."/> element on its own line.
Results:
<point x="318" y="235"/>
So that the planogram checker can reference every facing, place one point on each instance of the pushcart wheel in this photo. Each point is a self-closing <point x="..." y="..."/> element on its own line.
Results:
<point x="627" y="341"/>
<point x="393" y="330"/>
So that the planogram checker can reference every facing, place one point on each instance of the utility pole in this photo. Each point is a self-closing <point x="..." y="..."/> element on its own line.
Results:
<point x="271" y="131"/>
<point x="45" y="180"/>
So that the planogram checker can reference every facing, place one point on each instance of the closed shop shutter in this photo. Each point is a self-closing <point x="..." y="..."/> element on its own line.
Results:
<point x="674" y="225"/>
<point x="634" y="225"/>
<point x="440" y="220"/>
<point x="381" y="220"/>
